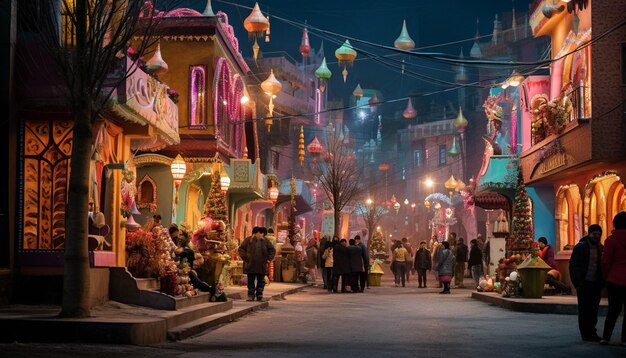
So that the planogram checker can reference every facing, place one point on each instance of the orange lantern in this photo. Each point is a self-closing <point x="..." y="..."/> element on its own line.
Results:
<point x="256" y="24"/>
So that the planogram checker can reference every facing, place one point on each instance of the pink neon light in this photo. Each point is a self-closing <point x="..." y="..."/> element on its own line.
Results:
<point x="197" y="87"/>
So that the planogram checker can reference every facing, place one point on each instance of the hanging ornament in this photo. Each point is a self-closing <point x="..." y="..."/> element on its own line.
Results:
<point x="346" y="55"/>
<point x="267" y="32"/>
<point x="575" y="23"/>
<point x="358" y="92"/>
<point x="301" y="146"/>
<point x="256" y="24"/>
<point x="454" y="149"/>
<point x="315" y="148"/>
<point x="409" y="111"/>
<point x="305" y="46"/>
<point x="404" y="41"/>
<point x="323" y="74"/>
<point x="271" y="86"/>
<point x="460" y="122"/>
<point x="156" y="65"/>
<point x="393" y="199"/>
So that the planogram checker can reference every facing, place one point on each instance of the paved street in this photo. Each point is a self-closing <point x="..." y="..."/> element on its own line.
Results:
<point x="384" y="321"/>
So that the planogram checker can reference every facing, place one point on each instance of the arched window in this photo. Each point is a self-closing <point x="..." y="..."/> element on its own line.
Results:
<point x="228" y="91"/>
<point x="147" y="193"/>
<point x="197" y="96"/>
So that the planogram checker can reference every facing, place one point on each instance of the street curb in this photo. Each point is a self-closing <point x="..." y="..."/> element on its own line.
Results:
<point x="531" y="305"/>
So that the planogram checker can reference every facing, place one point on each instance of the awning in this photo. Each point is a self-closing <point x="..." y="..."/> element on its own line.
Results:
<point x="501" y="175"/>
<point x="492" y="201"/>
<point x="304" y="198"/>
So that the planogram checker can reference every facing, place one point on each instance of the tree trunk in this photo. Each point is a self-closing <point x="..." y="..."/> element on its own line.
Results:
<point x="337" y="214"/>
<point x="76" y="275"/>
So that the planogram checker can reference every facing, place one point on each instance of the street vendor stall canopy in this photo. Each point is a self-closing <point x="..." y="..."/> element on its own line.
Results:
<point x="304" y="198"/>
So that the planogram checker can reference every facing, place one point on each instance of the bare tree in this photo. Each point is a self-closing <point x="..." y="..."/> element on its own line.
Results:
<point x="371" y="214"/>
<point x="87" y="41"/>
<point x="339" y="178"/>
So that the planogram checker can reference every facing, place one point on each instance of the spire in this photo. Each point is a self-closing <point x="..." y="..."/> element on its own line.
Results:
<point x="461" y="74"/>
<point x="208" y="10"/>
<point x="475" y="51"/>
<point x="497" y="28"/>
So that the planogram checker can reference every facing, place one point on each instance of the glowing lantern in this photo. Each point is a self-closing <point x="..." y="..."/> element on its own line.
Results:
<point x="396" y="207"/>
<point x="315" y="148"/>
<point x="358" y="92"/>
<point x="323" y="74"/>
<point x="450" y="184"/>
<point x="178" y="167"/>
<point x="224" y="181"/>
<point x="383" y="167"/>
<point x="273" y="193"/>
<point x="460" y="186"/>
<point x="256" y="24"/>
<point x="404" y="41"/>
<point x="346" y="55"/>
<point x="301" y="146"/>
<point x="409" y="111"/>
<point x="271" y="86"/>
<point x="427" y="204"/>
<point x="393" y="198"/>
<point x="406" y="201"/>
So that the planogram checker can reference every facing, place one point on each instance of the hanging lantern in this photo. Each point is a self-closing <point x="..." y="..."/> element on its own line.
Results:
<point x="178" y="168"/>
<point x="305" y="46"/>
<point x="454" y="149"/>
<point x="224" y="181"/>
<point x="271" y="86"/>
<point x="460" y="122"/>
<point x="273" y="194"/>
<point x="383" y="167"/>
<point x="406" y="201"/>
<point x="267" y="32"/>
<point x="358" y="92"/>
<point x="404" y="41"/>
<point x="460" y="186"/>
<point x="427" y="204"/>
<point x="315" y="148"/>
<point x="323" y="74"/>
<point x="301" y="146"/>
<point x="393" y="198"/>
<point x="409" y="111"/>
<point x="156" y="65"/>
<point x="346" y="55"/>
<point x="396" y="207"/>
<point x="256" y="24"/>
<point x="373" y="102"/>
<point x="451" y="184"/>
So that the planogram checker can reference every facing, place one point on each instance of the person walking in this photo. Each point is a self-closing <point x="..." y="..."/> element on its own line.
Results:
<point x="461" y="262"/>
<point x="445" y="266"/>
<point x="614" y="271"/>
<point x="328" y="265"/>
<point x="435" y="247"/>
<point x="366" y="262"/>
<point x="409" y="260"/>
<point x="256" y="251"/>
<point x="355" y="256"/>
<point x="400" y="255"/>
<point x="341" y="265"/>
<point x="422" y="263"/>
<point x="586" y="275"/>
<point x="475" y="262"/>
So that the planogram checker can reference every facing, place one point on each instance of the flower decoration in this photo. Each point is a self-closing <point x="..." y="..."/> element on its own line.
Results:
<point x="173" y="94"/>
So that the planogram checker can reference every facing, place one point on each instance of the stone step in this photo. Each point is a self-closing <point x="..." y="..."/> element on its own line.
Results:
<point x="194" y="312"/>
<point x="238" y="310"/>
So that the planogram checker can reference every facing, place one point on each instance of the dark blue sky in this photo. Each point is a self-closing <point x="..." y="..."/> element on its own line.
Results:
<point x="429" y="23"/>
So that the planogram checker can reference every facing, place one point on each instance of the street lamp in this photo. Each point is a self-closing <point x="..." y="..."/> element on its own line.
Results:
<point x="178" y="167"/>
<point x="369" y="201"/>
<point x="429" y="183"/>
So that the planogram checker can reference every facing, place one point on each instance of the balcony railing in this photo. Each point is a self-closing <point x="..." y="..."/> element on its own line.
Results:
<point x="578" y="96"/>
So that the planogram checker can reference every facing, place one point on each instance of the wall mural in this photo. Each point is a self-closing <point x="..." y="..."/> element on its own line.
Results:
<point x="47" y="152"/>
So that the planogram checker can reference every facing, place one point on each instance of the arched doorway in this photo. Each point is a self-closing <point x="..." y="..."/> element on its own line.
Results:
<point x="193" y="210"/>
<point x="604" y="197"/>
<point x="567" y="217"/>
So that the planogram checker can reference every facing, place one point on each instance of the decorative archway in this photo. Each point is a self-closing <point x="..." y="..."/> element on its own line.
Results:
<point x="568" y="217"/>
<point x="604" y="197"/>
<point x="228" y="90"/>
<point x="147" y="193"/>
<point x="193" y="210"/>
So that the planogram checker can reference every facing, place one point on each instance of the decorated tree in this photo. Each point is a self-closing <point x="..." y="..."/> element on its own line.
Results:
<point x="214" y="206"/>
<point x="378" y="246"/>
<point x="522" y="223"/>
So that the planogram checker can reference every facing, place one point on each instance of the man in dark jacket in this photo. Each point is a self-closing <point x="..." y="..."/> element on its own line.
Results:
<point x="366" y="263"/>
<point x="355" y="255"/>
<point x="475" y="262"/>
<point x="461" y="261"/>
<point x="586" y="275"/>
<point x="422" y="263"/>
<point x="341" y="265"/>
<point x="256" y="252"/>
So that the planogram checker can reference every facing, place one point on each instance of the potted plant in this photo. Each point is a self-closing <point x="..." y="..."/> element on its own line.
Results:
<point x="288" y="266"/>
